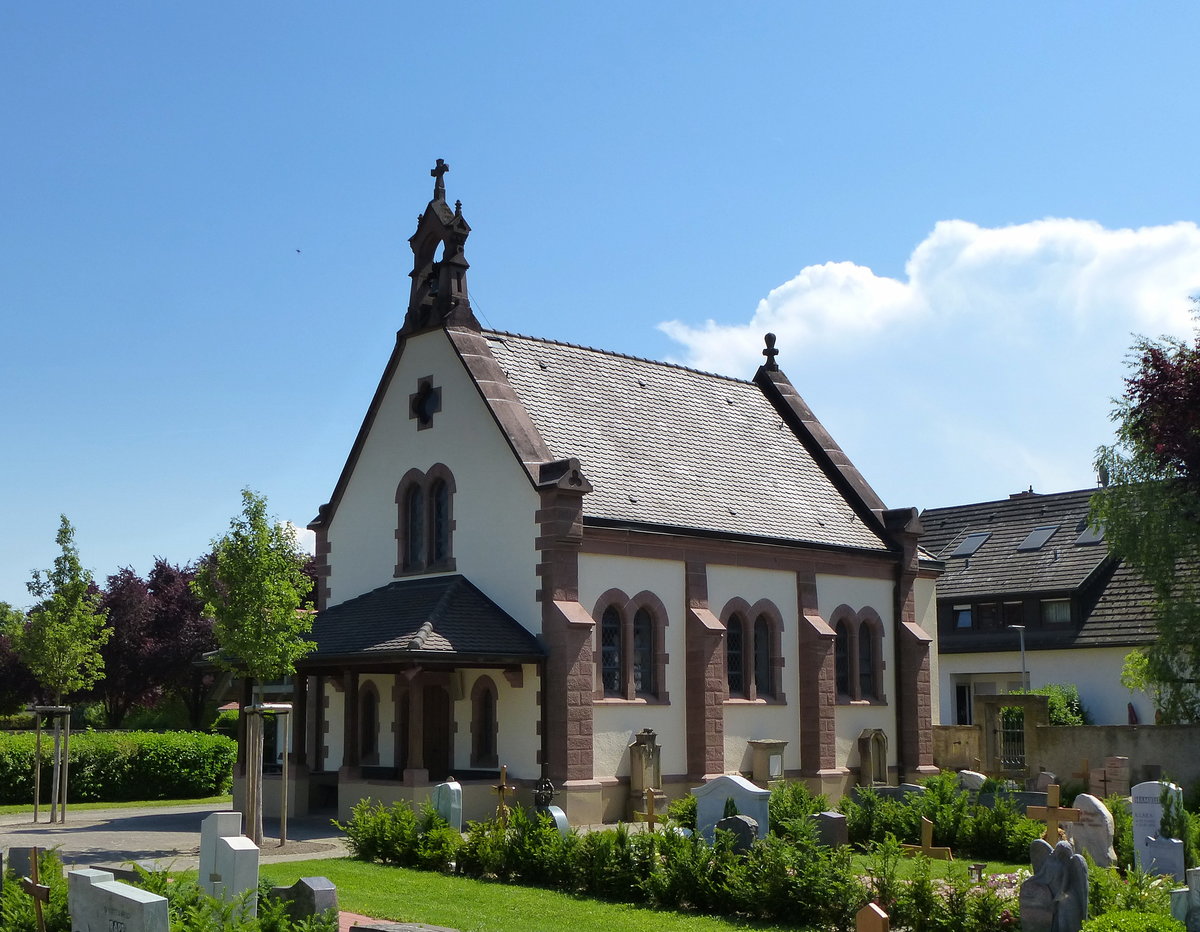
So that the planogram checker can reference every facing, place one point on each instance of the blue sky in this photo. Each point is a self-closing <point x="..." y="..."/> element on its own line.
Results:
<point x="953" y="216"/>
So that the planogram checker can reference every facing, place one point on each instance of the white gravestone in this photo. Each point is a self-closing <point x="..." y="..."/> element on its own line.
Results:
<point x="1147" y="819"/>
<point x="447" y="800"/>
<point x="749" y="799"/>
<point x="228" y="859"/>
<point x="1093" y="833"/>
<point x="98" y="903"/>
<point x="971" y="779"/>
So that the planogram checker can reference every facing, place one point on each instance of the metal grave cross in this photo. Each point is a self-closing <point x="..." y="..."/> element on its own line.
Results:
<point x="501" y="790"/>
<point x="1052" y="813"/>
<point x="926" y="846"/>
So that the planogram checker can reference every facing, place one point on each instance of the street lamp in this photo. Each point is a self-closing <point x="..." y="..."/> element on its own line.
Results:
<point x="1020" y="629"/>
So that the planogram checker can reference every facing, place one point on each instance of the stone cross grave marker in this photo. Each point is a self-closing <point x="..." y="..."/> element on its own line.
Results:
<point x="747" y="798"/>
<point x="98" y="903"/>
<point x="1052" y="814"/>
<point x="228" y="859"/>
<point x="39" y="891"/>
<point x="1147" y="820"/>
<point x="871" y="919"/>
<point x="1093" y="833"/>
<point x="447" y="800"/>
<point x="308" y="896"/>
<point x="926" y="846"/>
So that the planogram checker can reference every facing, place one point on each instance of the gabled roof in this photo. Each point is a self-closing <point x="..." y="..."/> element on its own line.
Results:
<point x="668" y="446"/>
<point x="426" y="619"/>
<point x="998" y="566"/>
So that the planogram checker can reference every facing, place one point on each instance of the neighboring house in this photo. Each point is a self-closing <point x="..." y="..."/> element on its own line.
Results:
<point x="537" y="550"/>
<point x="1032" y="560"/>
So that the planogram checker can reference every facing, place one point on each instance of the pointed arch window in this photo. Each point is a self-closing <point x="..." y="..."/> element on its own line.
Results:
<point x="484" y="723"/>
<point x="630" y="654"/>
<point x="841" y="658"/>
<point x="858" y="655"/>
<point x="643" y="653"/>
<point x="368" y="723"/>
<point x="425" y="531"/>
<point x="735" y="656"/>
<point x="764" y="686"/>
<point x="611" y="652"/>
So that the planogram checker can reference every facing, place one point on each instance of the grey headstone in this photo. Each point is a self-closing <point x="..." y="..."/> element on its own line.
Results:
<point x="105" y="905"/>
<point x="1043" y="781"/>
<point x="902" y="791"/>
<point x="558" y="817"/>
<point x="1022" y="799"/>
<point x="971" y="779"/>
<point x="743" y="828"/>
<point x="128" y="870"/>
<point x="1164" y="856"/>
<point x="1055" y="898"/>
<point x="1093" y="833"/>
<point x="308" y="896"/>
<point x="397" y="927"/>
<point x="831" y="829"/>
<point x="447" y="800"/>
<point x="711" y="797"/>
<point x="19" y="860"/>
<point x="1146" y="804"/>
<point x="1185" y="902"/>
<point x="217" y="825"/>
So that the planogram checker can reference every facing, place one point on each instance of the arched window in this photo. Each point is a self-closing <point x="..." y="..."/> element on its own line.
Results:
<point x="841" y="659"/>
<point x="866" y="662"/>
<point x="611" y="653"/>
<point x="484" y="723"/>
<point x="734" y="656"/>
<point x="414" y="528"/>
<point x="643" y="653"/>
<point x="440" y="507"/>
<point x="368" y="724"/>
<point x="764" y="688"/>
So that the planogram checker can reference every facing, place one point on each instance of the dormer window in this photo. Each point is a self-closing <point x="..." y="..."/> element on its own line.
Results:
<point x="1037" y="537"/>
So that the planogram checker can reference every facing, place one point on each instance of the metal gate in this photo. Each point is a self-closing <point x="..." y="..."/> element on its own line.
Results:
<point x="1011" y="734"/>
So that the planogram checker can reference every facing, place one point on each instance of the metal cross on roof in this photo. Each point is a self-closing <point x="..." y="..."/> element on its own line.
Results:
<point x="439" y="184"/>
<point x="770" y="352"/>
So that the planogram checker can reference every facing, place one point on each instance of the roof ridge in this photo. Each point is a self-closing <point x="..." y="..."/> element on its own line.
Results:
<point x="615" y="354"/>
<point x="1021" y="499"/>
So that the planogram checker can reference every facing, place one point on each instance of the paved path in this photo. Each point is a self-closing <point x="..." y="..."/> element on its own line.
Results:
<point x="168" y="835"/>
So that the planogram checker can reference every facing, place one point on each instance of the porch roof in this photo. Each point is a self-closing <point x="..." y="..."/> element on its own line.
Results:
<point x="434" y="618"/>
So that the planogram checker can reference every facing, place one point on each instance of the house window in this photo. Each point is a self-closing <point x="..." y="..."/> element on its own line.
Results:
<point x="630" y="656"/>
<point x="425" y="533"/>
<point x="988" y="615"/>
<point x="858" y="655"/>
<point x="484" y="723"/>
<point x="1014" y="613"/>
<point x="610" y="652"/>
<point x="1056" y="612"/>
<point x="734" y="642"/>
<point x="962" y="617"/>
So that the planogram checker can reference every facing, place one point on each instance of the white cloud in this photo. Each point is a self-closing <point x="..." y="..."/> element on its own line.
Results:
<point x="304" y="537"/>
<point x="991" y="366"/>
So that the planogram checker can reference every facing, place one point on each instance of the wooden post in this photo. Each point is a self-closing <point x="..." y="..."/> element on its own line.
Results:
<point x="66" y="767"/>
<point x="39" y="892"/>
<point x="37" y="762"/>
<point x="1052" y="814"/>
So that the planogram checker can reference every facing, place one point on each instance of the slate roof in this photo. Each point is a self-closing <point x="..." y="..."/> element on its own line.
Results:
<point x="671" y="446"/>
<point x="429" y="618"/>
<point x="1113" y="598"/>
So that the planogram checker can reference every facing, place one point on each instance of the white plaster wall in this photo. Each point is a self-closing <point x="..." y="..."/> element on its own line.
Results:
<point x="747" y="721"/>
<point x="334" y="716"/>
<point x="614" y="722"/>
<point x="925" y="598"/>
<point x="1095" y="671"/>
<point x="859" y="593"/>
<point x="494" y="502"/>
<point x="387" y="715"/>
<point x="517" y="717"/>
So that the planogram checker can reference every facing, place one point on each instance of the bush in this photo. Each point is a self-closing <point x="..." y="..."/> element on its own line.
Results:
<point x="683" y="811"/>
<point x="16" y="906"/>
<point x="1128" y="921"/>
<point x="119" y="766"/>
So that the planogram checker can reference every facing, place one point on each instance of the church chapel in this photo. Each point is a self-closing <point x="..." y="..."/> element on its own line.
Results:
<point x="537" y="553"/>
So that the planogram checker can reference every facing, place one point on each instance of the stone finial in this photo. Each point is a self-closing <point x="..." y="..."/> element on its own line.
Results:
<point x="770" y="352"/>
<point x="439" y="184"/>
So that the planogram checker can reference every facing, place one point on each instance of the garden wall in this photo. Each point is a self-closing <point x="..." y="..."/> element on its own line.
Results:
<point x="1153" y="750"/>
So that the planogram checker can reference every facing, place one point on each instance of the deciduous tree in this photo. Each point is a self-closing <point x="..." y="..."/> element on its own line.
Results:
<point x="1150" y="509"/>
<point x="182" y="635"/>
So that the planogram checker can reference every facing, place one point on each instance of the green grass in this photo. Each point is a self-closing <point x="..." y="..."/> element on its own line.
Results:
<point x="19" y="808"/>
<point x="477" y="906"/>
<point x="862" y="863"/>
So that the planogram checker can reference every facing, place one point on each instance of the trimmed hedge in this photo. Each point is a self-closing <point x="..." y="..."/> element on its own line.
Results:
<point x="118" y="766"/>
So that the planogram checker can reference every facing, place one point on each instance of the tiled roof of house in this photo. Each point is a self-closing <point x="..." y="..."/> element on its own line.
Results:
<point x="434" y="617"/>
<point x="671" y="446"/>
<point x="1070" y="561"/>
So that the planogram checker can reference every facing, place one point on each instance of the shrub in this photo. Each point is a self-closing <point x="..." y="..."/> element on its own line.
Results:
<point x="1002" y="833"/>
<point x="1122" y="829"/>
<point x="872" y="817"/>
<point x="118" y="766"/>
<point x="1137" y="891"/>
<point x="793" y="802"/>
<point x="226" y="723"/>
<point x="1129" y="921"/>
<point x="683" y="811"/>
<point x="16" y="906"/>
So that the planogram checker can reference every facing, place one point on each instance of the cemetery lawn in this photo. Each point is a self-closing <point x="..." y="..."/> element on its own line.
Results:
<point x="18" y="808"/>
<point x="862" y="864"/>
<point x="403" y="895"/>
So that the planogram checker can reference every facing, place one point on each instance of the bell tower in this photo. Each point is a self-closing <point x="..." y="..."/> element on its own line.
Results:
<point x="438" y="297"/>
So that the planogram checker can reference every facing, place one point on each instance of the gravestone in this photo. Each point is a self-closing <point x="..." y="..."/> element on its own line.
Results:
<point x="372" y="926"/>
<point x="1043" y="781"/>
<point x="98" y="903"/>
<point x="971" y="780"/>
<point x="1165" y="856"/>
<point x="747" y="798"/>
<point x="743" y="828"/>
<point x="1185" y="902"/>
<point x="1022" y="799"/>
<point x="1116" y="775"/>
<point x="1093" y="833"/>
<point x="447" y="800"/>
<point x="1055" y="898"/>
<point x="20" y="860"/>
<point x="308" y="896"/>
<point x="871" y="918"/>
<point x="831" y="829"/>
<point x="1147" y="820"/>
<point x="228" y="860"/>
<point x="543" y="796"/>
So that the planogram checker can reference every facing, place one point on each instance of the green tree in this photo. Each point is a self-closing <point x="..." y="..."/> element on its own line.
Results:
<point x="61" y="639"/>
<point x="254" y="588"/>
<point x="1150" y="510"/>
